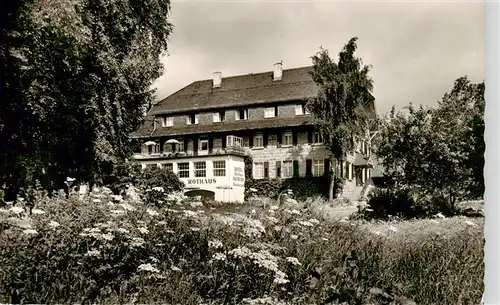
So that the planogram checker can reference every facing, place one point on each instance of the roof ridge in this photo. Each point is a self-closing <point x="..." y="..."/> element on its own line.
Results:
<point x="245" y="88"/>
<point x="258" y="73"/>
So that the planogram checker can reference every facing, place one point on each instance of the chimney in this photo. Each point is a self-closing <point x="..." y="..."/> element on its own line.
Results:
<point x="217" y="80"/>
<point x="278" y="71"/>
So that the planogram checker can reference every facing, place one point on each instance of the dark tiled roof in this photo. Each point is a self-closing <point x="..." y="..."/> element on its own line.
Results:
<point x="145" y="132"/>
<point x="242" y="90"/>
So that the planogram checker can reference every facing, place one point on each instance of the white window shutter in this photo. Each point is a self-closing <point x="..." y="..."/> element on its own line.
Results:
<point x="196" y="118"/>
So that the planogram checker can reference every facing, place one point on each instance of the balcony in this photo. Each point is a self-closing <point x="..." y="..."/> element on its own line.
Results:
<point x="232" y="150"/>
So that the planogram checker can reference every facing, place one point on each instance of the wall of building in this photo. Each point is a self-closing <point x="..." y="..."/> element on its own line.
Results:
<point x="227" y="188"/>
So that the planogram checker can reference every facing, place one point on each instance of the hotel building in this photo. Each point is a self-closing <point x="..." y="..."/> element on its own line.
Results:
<point x="203" y="132"/>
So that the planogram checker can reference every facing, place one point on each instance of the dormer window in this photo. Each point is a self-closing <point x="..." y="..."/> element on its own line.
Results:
<point x="167" y="121"/>
<point x="242" y="114"/>
<point x="219" y="116"/>
<point x="192" y="119"/>
<point x="271" y="112"/>
<point x="300" y="109"/>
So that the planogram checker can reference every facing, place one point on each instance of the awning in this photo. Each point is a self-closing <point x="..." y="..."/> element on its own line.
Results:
<point x="149" y="143"/>
<point x="172" y="141"/>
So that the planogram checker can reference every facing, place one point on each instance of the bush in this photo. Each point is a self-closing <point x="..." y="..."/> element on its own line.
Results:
<point x="90" y="250"/>
<point x="153" y="177"/>
<point x="302" y="187"/>
<point x="122" y="175"/>
<point x="405" y="202"/>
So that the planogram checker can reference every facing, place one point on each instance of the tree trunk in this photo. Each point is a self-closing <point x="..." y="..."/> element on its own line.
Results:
<point x="333" y="176"/>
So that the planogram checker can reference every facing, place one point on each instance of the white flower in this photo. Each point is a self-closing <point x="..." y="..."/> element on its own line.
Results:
<point x="324" y="239"/>
<point x="273" y="207"/>
<point x="434" y="221"/>
<point x="293" y="261"/>
<point x="253" y="211"/>
<point x="277" y="228"/>
<point x="118" y="198"/>
<point x="314" y="221"/>
<point x="53" y="224"/>
<point x="152" y="212"/>
<point x="216" y="244"/>
<point x="137" y="242"/>
<point x="30" y="231"/>
<point x="94" y="230"/>
<point x="69" y="179"/>
<point x="470" y="223"/>
<point x="306" y="224"/>
<point x="123" y="230"/>
<point x="127" y="207"/>
<point x="280" y="278"/>
<point x="252" y="190"/>
<point x="117" y="212"/>
<point x="143" y="230"/>
<point x="93" y="253"/>
<point x="158" y="189"/>
<point x="16" y="210"/>
<point x="293" y="236"/>
<point x="177" y="269"/>
<point x="195" y="229"/>
<point x="272" y="219"/>
<point x="96" y="200"/>
<point x="219" y="257"/>
<point x="37" y="211"/>
<point x="147" y="267"/>
<point x="107" y="236"/>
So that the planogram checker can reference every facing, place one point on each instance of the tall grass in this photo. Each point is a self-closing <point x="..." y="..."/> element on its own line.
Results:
<point x="106" y="249"/>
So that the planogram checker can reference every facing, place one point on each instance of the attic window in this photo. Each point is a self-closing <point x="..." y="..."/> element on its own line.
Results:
<point x="192" y="119"/>
<point x="271" y="112"/>
<point x="241" y="114"/>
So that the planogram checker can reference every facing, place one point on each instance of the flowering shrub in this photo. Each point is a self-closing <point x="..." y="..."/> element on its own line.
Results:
<point x="106" y="248"/>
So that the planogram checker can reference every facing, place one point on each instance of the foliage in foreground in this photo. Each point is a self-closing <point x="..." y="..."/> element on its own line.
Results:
<point x="103" y="248"/>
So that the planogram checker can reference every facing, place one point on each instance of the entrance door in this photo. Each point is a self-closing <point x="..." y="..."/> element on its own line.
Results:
<point x="359" y="176"/>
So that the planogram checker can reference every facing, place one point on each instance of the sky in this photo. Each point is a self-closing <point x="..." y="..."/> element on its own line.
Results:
<point x="416" y="49"/>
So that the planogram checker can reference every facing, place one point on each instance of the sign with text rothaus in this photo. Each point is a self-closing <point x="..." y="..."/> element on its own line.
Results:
<point x="239" y="177"/>
<point x="202" y="181"/>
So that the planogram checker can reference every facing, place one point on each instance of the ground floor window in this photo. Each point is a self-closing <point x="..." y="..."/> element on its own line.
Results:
<point x="219" y="168"/>
<point x="168" y="166"/>
<point x="200" y="169"/>
<point x="258" y="171"/>
<point x="287" y="169"/>
<point x="183" y="170"/>
<point x="318" y="168"/>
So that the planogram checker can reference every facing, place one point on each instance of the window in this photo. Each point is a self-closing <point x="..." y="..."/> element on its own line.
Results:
<point x="154" y="149"/>
<point x="241" y="114"/>
<point x="183" y="170"/>
<point x="300" y="109"/>
<point x="246" y="142"/>
<point x="168" y="166"/>
<point x="278" y="169"/>
<point x="287" y="169"/>
<point x="168" y="121"/>
<point x="272" y="140"/>
<point x="180" y="146"/>
<point x="318" y="168"/>
<point x="271" y="112"/>
<point x="204" y="145"/>
<point x="287" y="138"/>
<point x="258" y="171"/>
<point x="219" y="116"/>
<point x="258" y="141"/>
<point x="192" y="119"/>
<point x="219" y="168"/>
<point x="200" y="169"/>
<point x="317" y="138"/>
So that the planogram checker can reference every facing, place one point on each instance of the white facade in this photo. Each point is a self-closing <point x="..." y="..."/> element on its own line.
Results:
<point x="224" y="175"/>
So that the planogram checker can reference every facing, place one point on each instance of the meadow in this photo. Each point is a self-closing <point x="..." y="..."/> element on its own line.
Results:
<point x="102" y="248"/>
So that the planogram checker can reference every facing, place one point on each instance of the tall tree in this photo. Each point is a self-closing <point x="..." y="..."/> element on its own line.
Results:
<point x="75" y="78"/>
<point x="439" y="149"/>
<point x="340" y="108"/>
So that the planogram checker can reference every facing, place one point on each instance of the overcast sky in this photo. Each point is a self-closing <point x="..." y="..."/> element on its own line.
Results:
<point x="417" y="49"/>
